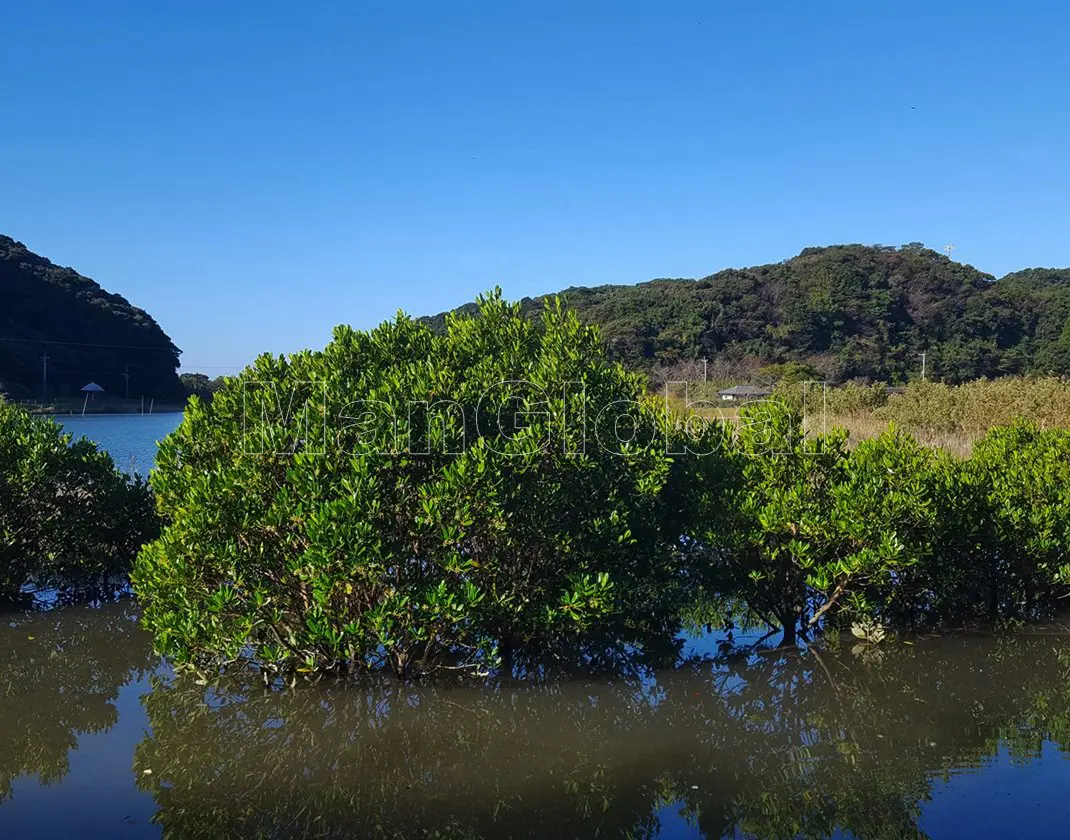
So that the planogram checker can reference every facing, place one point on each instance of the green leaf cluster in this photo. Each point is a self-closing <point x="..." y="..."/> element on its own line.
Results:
<point x="809" y="533"/>
<point x="68" y="518"/>
<point x="417" y="501"/>
<point x="805" y="527"/>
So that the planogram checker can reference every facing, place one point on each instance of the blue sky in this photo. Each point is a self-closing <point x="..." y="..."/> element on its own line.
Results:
<point x="254" y="173"/>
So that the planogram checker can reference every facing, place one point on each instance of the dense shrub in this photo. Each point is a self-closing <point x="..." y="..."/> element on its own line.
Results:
<point x="808" y="528"/>
<point x="420" y="500"/>
<point x="1022" y="474"/>
<point x="1001" y="537"/>
<point x="375" y="525"/>
<point x="68" y="518"/>
<point x="806" y="531"/>
<point x="1002" y="541"/>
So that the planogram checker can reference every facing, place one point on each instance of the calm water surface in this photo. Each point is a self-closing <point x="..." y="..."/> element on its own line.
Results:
<point x="960" y="736"/>
<point x="130" y="438"/>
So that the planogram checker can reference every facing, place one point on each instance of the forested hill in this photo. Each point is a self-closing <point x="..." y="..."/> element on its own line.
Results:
<point x="87" y="333"/>
<point x="844" y="311"/>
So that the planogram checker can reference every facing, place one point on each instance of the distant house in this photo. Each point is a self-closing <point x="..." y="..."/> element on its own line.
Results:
<point x="891" y="390"/>
<point x="743" y="393"/>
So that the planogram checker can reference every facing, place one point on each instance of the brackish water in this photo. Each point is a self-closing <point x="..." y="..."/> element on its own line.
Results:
<point x="130" y="438"/>
<point x="954" y="736"/>
<point x="959" y="736"/>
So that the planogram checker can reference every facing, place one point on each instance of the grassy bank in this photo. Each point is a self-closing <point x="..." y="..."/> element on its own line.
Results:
<point x="951" y="417"/>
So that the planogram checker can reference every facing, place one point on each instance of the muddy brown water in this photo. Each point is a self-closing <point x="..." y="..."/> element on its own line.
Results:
<point x="959" y="736"/>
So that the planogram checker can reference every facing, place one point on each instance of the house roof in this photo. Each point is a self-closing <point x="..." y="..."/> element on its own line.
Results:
<point x="745" y="391"/>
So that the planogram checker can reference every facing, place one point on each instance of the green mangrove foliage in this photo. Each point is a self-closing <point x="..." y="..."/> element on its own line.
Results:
<point x="806" y="532"/>
<point x="418" y="501"/>
<point x="501" y="491"/>
<point x="68" y="518"/>
<point x="805" y="527"/>
<point x="1023" y="476"/>
<point x="999" y="539"/>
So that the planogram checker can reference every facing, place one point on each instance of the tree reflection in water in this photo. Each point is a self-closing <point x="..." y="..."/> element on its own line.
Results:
<point x="773" y="745"/>
<point x="60" y="674"/>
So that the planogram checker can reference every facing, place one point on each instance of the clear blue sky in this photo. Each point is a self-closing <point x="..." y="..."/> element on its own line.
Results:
<point x="254" y="173"/>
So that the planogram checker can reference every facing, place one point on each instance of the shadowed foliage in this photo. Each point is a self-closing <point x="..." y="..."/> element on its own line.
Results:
<point x="69" y="519"/>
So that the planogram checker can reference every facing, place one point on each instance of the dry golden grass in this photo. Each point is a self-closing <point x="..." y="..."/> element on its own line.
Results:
<point x="975" y="407"/>
<point x="863" y="426"/>
<point x="677" y="406"/>
<point x="951" y="417"/>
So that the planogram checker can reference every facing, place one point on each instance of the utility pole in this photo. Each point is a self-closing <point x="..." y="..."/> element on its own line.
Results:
<point x="44" y="375"/>
<point x="948" y="249"/>
<point x="923" y="355"/>
<point x="126" y="376"/>
<point x="705" y="362"/>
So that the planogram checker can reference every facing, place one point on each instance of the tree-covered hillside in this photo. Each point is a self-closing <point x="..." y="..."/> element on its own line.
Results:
<point x="845" y="311"/>
<point x="87" y="333"/>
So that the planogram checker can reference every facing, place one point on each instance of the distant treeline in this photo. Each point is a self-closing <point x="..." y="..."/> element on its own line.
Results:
<point x="845" y="312"/>
<point x="87" y="334"/>
<point x="200" y="385"/>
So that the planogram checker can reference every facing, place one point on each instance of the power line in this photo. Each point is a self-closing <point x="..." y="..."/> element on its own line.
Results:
<point x="87" y="344"/>
<point x="187" y="366"/>
<point x="134" y="369"/>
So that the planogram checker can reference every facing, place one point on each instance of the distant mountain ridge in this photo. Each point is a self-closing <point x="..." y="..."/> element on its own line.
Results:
<point x="88" y="334"/>
<point x="843" y="311"/>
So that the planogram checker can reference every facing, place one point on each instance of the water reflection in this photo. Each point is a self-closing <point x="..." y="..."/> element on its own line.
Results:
<point x="60" y="676"/>
<point x="817" y="744"/>
<point x="770" y="746"/>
